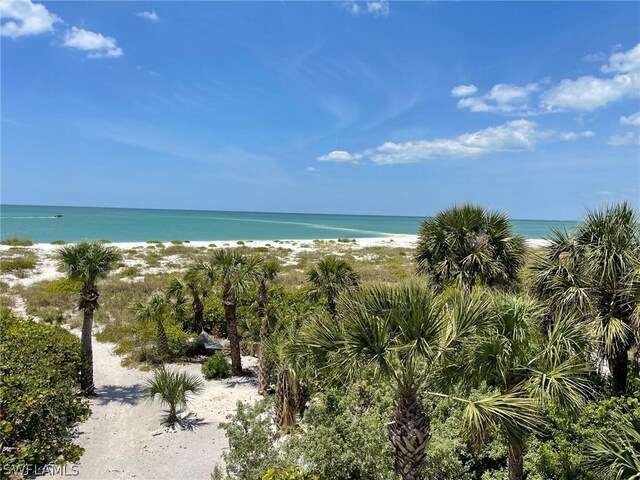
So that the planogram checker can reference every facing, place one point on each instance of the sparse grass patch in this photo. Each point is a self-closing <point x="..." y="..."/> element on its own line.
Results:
<point x="16" y="260"/>
<point x="154" y="241"/>
<point x="104" y="241"/>
<point x="58" y="242"/>
<point x="15" y="241"/>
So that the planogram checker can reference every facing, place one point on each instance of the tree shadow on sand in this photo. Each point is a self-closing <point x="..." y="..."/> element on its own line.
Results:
<point x="189" y="421"/>
<point x="129" y="395"/>
<point x="241" y="381"/>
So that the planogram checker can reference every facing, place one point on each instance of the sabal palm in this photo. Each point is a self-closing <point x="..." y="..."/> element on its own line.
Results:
<point x="267" y="273"/>
<point x="173" y="389"/>
<point x="617" y="454"/>
<point x="591" y="274"/>
<point x="155" y="309"/>
<point x="401" y="334"/>
<point x="518" y="356"/>
<point x="88" y="262"/>
<point x="197" y="286"/>
<point x="469" y="244"/>
<point x="235" y="273"/>
<point x="330" y="277"/>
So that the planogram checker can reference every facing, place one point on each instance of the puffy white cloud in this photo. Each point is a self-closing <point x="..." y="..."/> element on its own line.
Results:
<point x="96" y="44"/>
<point x="23" y="17"/>
<point x="590" y="92"/>
<point x="623" y="62"/>
<point x="627" y="138"/>
<point x="633" y="120"/>
<point x="502" y="98"/>
<point x="149" y="15"/>
<point x="340" y="156"/>
<point x="513" y="136"/>
<point x="378" y="8"/>
<point x="463" y="90"/>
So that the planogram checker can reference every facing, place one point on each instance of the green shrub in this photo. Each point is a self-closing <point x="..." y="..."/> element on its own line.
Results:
<point x="131" y="271"/>
<point x="176" y="242"/>
<point x="261" y="249"/>
<point x="64" y="286"/>
<point x="104" y="241"/>
<point x="16" y="241"/>
<point x="21" y="263"/>
<point x="240" y="242"/>
<point x="154" y="241"/>
<point x="347" y="240"/>
<point x="39" y="393"/>
<point x="216" y="366"/>
<point x="177" y="340"/>
<point x="58" y="242"/>
<point x="290" y="473"/>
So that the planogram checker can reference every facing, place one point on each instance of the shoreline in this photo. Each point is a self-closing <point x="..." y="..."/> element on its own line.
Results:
<point x="390" y="240"/>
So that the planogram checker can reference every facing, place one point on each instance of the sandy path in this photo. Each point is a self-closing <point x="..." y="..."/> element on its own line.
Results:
<point x="119" y="438"/>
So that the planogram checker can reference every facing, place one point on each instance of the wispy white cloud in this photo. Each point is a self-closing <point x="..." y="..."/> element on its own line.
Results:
<point x="148" y="15"/>
<point x="23" y="17"/>
<point x="340" y="156"/>
<point x="589" y="92"/>
<point x="502" y="98"/>
<point x="378" y="8"/>
<point x="513" y="136"/>
<point x="623" y="139"/>
<point x="632" y="120"/>
<point x="463" y="90"/>
<point x="311" y="169"/>
<point x="595" y="57"/>
<point x="95" y="44"/>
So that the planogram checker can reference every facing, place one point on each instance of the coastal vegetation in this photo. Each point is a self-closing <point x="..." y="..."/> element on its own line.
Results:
<point x="471" y="356"/>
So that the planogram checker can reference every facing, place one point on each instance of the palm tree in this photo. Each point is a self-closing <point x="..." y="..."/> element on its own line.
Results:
<point x="235" y="272"/>
<point x="517" y="355"/>
<point x="197" y="286"/>
<point x="616" y="454"/>
<point x="400" y="334"/>
<point x="469" y="244"/>
<point x="155" y="309"/>
<point x="267" y="274"/>
<point x="173" y="389"/>
<point x="330" y="277"/>
<point x="88" y="262"/>
<point x="591" y="274"/>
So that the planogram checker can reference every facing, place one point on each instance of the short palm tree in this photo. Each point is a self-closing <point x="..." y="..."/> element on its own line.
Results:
<point x="517" y="355"/>
<point x="330" y="277"/>
<point x="88" y="262"/>
<point x="267" y="274"/>
<point x="155" y="309"/>
<point x="617" y="454"/>
<point x="469" y="244"/>
<point x="235" y="273"/>
<point x="590" y="273"/>
<point x="406" y="335"/>
<point x="196" y="286"/>
<point x="173" y="389"/>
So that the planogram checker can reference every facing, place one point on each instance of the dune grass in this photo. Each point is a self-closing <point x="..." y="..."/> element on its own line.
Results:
<point x="15" y="241"/>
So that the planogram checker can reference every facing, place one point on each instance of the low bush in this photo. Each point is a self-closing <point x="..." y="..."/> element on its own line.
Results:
<point x="16" y="241"/>
<point x="290" y="473"/>
<point x="176" y="242"/>
<point x="58" y="242"/>
<point x="39" y="394"/>
<point x="216" y="366"/>
<point x="64" y="286"/>
<point x="21" y="263"/>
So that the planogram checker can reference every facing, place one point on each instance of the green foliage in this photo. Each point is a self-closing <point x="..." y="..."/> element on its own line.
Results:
<point x="290" y="473"/>
<point x="174" y="389"/>
<point x="63" y="286"/>
<point x="240" y="242"/>
<point x="39" y="393"/>
<point x="216" y="366"/>
<point x="58" y="242"/>
<point x="176" y="339"/>
<point x="19" y="263"/>
<point x="176" y="242"/>
<point x="15" y="241"/>
<point x="87" y="261"/>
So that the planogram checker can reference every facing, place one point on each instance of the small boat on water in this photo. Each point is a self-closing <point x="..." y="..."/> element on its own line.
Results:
<point x="57" y="215"/>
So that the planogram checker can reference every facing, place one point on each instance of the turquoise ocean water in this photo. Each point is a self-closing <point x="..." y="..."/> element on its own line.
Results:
<point x="138" y="225"/>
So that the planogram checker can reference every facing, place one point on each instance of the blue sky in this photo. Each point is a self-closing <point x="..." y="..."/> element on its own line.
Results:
<point x="370" y="107"/>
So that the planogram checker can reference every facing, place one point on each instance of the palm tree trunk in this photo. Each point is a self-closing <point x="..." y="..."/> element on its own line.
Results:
<point x="198" y="313"/>
<point x="618" y="367"/>
<point x="285" y="412"/>
<point x="86" y="371"/>
<point x="162" y="343"/>
<point x="516" y="462"/>
<point x="409" y="433"/>
<point x="229" y="304"/>
<point x="264" y="367"/>
<point x="331" y="300"/>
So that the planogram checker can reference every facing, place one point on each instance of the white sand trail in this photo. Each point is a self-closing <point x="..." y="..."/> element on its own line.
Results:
<point x="119" y="438"/>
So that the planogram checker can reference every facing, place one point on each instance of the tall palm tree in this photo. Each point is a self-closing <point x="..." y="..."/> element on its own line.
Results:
<point x="155" y="309"/>
<point x="267" y="273"/>
<point x="517" y="355"/>
<point x="400" y="334"/>
<point x="88" y="262"/>
<point x="591" y="274"/>
<point x="235" y="272"/>
<point x="469" y="244"/>
<point x="197" y="286"/>
<point x="330" y="277"/>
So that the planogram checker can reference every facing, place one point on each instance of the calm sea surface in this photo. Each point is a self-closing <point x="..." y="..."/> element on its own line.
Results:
<point x="137" y="225"/>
